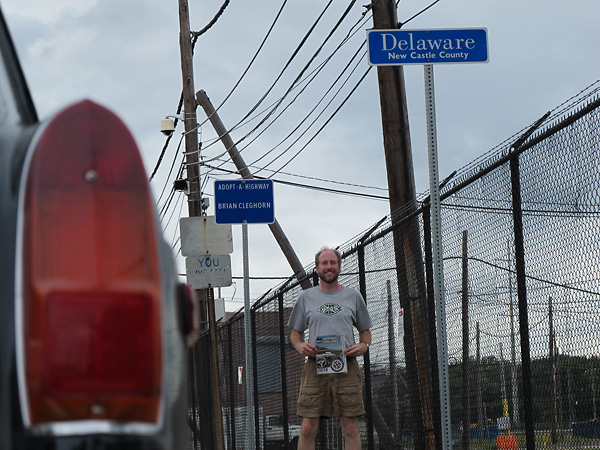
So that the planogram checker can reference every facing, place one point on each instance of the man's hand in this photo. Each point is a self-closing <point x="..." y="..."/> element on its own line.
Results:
<point x="357" y="349"/>
<point x="361" y="348"/>
<point x="304" y="348"/>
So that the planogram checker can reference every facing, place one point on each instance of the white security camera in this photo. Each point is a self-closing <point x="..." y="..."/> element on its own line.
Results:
<point x="167" y="126"/>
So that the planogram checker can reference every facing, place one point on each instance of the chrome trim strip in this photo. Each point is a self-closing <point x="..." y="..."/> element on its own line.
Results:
<point x="78" y="428"/>
<point x="19" y="326"/>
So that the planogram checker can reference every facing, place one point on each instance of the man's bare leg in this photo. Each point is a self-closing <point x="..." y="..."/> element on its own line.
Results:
<point x="350" y="432"/>
<point x="308" y="433"/>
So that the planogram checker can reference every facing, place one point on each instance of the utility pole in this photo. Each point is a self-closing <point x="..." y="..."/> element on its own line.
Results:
<point x="195" y="200"/>
<point x="407" y="243"/>
<point x="189" y="109"/>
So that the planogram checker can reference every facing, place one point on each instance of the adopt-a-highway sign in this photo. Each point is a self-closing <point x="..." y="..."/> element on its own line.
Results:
<point x="434" y="46"/>
<point x="239" y="201"/>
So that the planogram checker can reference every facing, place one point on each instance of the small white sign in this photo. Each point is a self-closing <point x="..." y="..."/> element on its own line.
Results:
<point x="400" y="324"/>
<point x="204" y="236"/>
<point x="219" y="309"/>
<point x="503" y="423"/>
<point x="211" y="271"/>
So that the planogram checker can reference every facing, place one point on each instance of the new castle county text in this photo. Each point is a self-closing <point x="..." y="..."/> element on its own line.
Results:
<point x="457" y="48"/>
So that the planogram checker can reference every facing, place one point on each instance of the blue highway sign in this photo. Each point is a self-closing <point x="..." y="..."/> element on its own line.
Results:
<point x="239" y="201"/>
<point x="437" y="46"/>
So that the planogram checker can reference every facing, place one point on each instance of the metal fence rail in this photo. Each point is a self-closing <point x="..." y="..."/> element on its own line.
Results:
<point x="521" y="251"/>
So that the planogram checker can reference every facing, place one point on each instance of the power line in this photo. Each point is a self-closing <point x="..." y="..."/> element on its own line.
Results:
<point x="316" y="188"/>
<point x="298" y="79"/>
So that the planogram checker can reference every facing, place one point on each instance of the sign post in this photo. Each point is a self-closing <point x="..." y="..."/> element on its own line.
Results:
<point x="245" y="201"/>
<point x="428" y="47"/>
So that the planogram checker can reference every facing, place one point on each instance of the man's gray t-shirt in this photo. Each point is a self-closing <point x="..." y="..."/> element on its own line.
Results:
<point x="330" y="313"/>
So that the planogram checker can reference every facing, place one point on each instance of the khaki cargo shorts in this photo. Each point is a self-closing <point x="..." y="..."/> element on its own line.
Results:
<point x="336" y="394"/>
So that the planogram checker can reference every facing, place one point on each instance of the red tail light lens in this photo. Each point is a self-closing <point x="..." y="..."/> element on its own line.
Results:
<point x="91" y="327"/>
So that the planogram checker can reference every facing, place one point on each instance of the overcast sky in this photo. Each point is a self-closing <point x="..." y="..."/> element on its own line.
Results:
<point x="125" y="55"/>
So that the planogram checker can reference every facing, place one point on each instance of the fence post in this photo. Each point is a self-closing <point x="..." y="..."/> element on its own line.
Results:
<point x="232" y="381"/>
<point x="192" y="397"/>
<point x="435" y="380"/>
<point x="395" y="425"/>
<point x="255" y="379"/>
<point x="284" y="402"/>
<point x="362" y="283"/>
<point x="522" y="298"/>
<point x="466" y="407"/>
<point x="202" y="418"/>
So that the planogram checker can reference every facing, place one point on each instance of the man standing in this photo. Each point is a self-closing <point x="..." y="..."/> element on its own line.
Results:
<point x="330" y="309"/>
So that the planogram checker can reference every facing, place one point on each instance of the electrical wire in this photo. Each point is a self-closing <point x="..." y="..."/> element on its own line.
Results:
<point x="289" y="135"/>
<point x="316" y="188"/>
<point x="345" y="183"/>
<point x="326" y="122"/>
<point x="289" y="61"/>
<point x="170" y="170"/>
<point x="167" y="142"/>
<point x="304" y="69"/>
<point x="305" y="119"/>
<point x="311" y="78"/>
<point x="254" y="57"/>
<point x="296" y="82"/>
<point x="197" y="34"/>
<point x="339" y="107"/>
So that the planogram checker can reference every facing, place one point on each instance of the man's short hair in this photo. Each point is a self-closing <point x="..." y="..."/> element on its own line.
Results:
<point x="324" y="249"/>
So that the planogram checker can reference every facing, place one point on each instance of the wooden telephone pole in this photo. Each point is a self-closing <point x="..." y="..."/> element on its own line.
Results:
<point x="407" y="244"/>
<point x="192" y="149"/>
<point x="189" y="109"/>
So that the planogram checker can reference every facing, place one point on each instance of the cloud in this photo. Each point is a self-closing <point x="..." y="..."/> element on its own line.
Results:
<point x="125" y="55"/>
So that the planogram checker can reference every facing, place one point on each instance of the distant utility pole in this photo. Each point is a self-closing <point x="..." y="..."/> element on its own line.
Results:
<point x="195" y="202"/>
<point x="407" y="243"/>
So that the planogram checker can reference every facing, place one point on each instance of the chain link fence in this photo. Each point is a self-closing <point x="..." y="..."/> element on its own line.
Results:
<point x="521" y="252"/>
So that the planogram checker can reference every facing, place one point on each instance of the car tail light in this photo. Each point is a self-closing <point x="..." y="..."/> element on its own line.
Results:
<point x="90" y="304"/>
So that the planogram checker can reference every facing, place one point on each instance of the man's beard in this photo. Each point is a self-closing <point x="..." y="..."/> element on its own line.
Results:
<point x="330" y="280"/>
